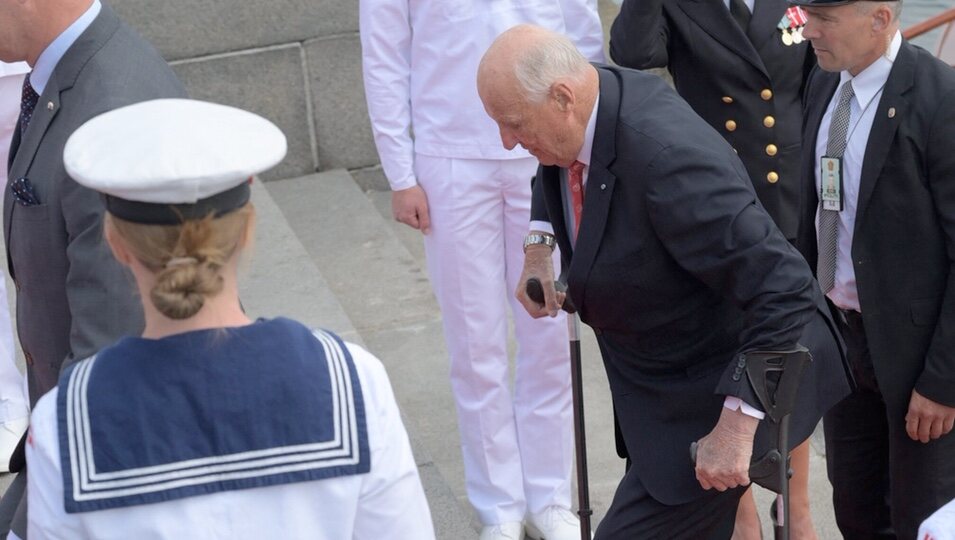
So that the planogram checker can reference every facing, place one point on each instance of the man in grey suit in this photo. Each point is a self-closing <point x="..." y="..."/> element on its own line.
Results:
<point x="71" y="294"/>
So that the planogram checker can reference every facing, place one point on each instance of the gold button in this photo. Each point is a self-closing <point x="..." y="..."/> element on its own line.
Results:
<point x="769" y="121"/>
<point x="730" y="125"/>
<point x="727" y="99"/>
<point x="772" y="177"/>
<point x="766" y="94"/>
<point x="770" y="149"/>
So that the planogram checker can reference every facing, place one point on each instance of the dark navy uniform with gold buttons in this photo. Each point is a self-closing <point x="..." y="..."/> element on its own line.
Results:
<point x="746" y="84"/>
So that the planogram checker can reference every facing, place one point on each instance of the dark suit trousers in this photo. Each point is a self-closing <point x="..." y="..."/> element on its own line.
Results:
<point x="884" y="484"/>
<point x="635" y="514"/>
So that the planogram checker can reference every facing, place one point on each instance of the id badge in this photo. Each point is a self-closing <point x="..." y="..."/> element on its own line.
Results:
<point x="830" y="193"/>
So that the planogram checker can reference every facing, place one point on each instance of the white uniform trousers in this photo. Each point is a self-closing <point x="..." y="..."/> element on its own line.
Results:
<point x="13" y="402"/>
<point x="518" y="446"/>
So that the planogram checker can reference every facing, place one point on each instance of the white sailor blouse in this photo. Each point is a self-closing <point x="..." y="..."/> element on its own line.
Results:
<point x="268" y="430"/>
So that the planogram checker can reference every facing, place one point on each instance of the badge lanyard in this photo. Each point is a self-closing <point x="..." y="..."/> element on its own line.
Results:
<point x="832" y="188"/>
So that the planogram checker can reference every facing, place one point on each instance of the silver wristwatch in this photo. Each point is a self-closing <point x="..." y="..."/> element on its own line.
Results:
<point x="539" y="238"/>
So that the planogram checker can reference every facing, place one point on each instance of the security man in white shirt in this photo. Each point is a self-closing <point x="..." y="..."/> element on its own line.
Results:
<point x="470" y="198"/>
<point x="879" y="229"/>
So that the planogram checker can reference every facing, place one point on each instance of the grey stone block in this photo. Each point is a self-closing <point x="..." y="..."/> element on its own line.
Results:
<point x="371" y="179"/>
<point x="190" y="28"/>
<point x="279" y="277"/>
<point x="269" y="82"/>
<point x="342" y="128"/>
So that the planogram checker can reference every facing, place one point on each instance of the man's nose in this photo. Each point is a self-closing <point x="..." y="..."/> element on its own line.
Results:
<point x="509" y="140"/>
<point x="809" y="30"/>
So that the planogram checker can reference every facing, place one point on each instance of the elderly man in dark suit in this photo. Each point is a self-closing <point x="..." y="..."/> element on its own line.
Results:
<point x="879" y="228"/>
<point x="85" y="62"/>
<point x="742" y="66"/>
<point x="677" y="267"/>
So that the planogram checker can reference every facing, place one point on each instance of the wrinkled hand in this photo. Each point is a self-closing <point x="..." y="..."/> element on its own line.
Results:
<point x="723" y="456"/>
<point x="927" y="420"/>
<point x="539" y="263"/>
<point x="410" y="206"/>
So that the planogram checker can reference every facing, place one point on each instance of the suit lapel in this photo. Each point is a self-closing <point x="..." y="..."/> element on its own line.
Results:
<point x="600" y="185"/>
<point x="46" y="109"/>
<point x="713" y="17"/>
<point x="884" y="125"/>
<point x="61" y="80"/>
<point x="766" y="17"/>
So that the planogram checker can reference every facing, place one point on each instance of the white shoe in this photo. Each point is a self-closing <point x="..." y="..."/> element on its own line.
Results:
<point x="554" y="523"/>
<point x="11" y="432"/>
<point x="512" y="530"/>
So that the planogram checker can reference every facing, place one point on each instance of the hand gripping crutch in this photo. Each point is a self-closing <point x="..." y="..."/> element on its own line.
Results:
<point x="774" y="376"/>
<point x="536" y="293"/>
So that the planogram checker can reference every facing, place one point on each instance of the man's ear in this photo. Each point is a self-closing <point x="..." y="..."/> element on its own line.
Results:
<point x="563" y="96"/>
<point x="881" y="17"/>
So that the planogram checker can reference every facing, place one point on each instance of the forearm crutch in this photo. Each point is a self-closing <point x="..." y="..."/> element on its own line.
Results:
<point x="774" y="377"/>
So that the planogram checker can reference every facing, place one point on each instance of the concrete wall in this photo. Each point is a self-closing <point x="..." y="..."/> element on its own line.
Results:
<point x="295" y="62"/>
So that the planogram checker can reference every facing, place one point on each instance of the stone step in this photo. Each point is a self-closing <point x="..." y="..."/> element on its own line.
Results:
<point x="279" y="278"/>
<point x="386" y="295"/>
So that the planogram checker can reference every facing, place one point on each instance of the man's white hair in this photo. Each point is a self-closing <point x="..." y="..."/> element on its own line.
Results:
<point x="539" y="67"/>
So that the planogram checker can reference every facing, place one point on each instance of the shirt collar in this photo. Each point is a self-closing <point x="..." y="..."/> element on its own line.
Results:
<point x="51" y="56"/>
<point x="587" y="149"/>
<point x="16" y="68"/>
<point x="870" y="81"/>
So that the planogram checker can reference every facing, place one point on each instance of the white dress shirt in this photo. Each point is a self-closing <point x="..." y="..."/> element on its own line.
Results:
<point x="868" y="85"/>
<point x="584" y="157"/>
<point x="420" y="60"/>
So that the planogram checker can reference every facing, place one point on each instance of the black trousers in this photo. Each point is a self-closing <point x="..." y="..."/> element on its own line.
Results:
<point x="884" y="483"/>
<point x="635" y="514"/>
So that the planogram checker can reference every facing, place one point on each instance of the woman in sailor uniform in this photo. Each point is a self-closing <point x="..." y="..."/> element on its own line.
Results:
<point x="210" y="424"/>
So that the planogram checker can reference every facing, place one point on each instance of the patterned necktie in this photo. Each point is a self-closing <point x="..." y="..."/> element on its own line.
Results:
<point x="741" y="14"/>
<point x="829" y="219"/>
<point x="575" y="176"/>
<point x="28" y="103"/>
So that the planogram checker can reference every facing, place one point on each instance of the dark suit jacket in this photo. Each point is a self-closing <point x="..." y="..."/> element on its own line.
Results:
<point x="903" y="244"/>
<point x="713" y="61"/>
<point x="678" y="269"/>
<point x="72" y="297"/>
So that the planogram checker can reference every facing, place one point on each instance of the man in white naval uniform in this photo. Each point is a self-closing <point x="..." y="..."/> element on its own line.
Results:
<point x="470" y="198"/>
<point x="14" y="410"/>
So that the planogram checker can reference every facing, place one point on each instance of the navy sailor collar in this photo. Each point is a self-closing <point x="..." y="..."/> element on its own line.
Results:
<point x="270" y="403"/>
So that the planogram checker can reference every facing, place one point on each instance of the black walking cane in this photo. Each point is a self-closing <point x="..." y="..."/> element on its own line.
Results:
<point x="536" y="293"/>
<point x="774" y="376"/>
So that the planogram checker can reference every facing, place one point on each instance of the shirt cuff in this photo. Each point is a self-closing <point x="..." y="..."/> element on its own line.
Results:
<point x="733" y="403"/>
<point x="542" y="226"/>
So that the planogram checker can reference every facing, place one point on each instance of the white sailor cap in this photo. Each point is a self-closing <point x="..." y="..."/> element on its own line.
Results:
<point x="166" y="160"/>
